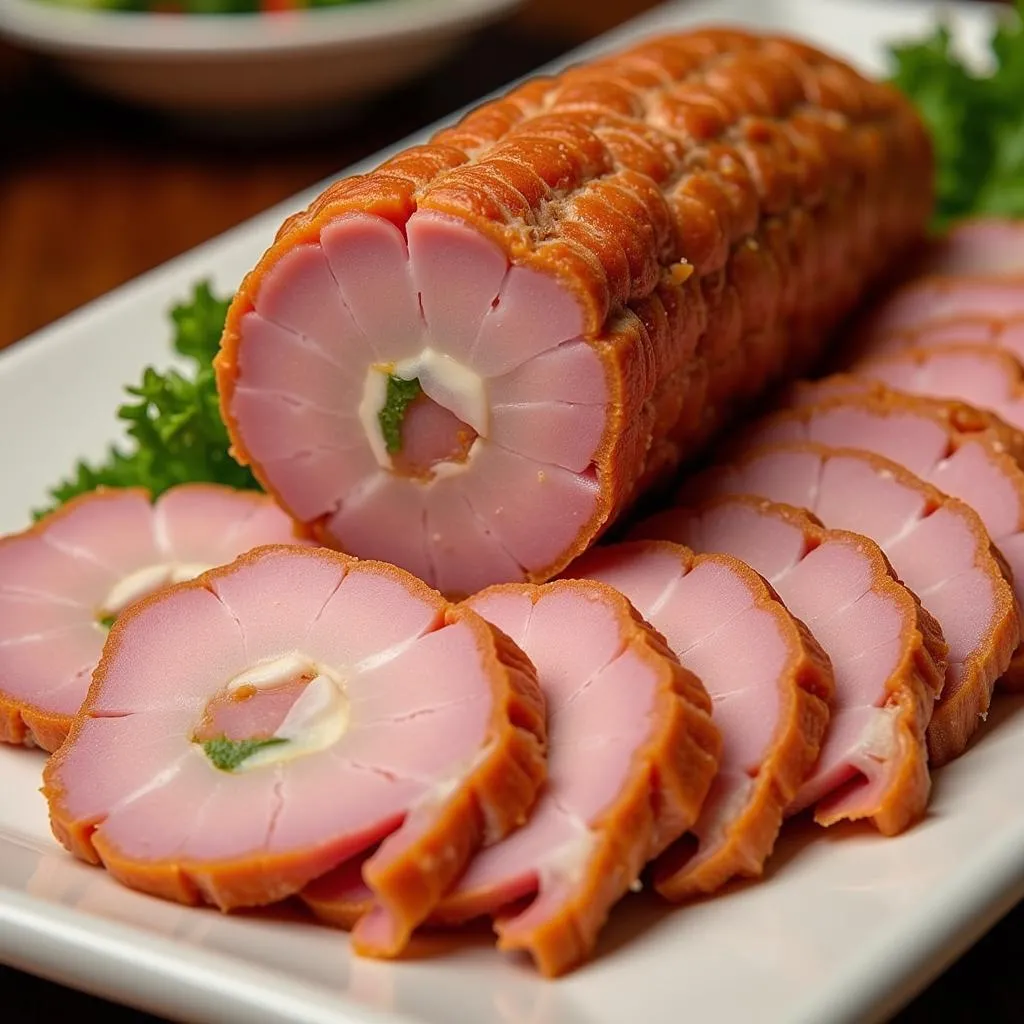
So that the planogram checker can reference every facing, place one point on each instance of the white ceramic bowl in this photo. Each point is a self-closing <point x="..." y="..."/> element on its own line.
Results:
<point x="251" y="64"/>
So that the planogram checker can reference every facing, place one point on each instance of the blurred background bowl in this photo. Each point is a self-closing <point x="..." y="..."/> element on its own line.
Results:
<point x="254" y="66"/>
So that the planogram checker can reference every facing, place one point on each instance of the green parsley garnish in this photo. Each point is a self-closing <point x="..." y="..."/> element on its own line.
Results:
<point x="227" y="754"/>
<point x="400" y="393"/>
<point x="976" y="120"/>
<point x="175" y="432"/>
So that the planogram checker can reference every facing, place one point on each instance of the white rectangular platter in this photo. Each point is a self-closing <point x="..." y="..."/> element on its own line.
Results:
<point x="845" y="927"/>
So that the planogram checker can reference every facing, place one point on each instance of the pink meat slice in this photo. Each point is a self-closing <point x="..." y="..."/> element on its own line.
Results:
<point x="63" y="579"/>
<point x="937" y="545"/>
<point x="632" y="752"/>
<point x="1005" y="333"/>
<point x="887" y="653"/>
<point x="771" y="687"/>
<point x="339" y="312"/>
<point x="981" y="245"/>
<point x="153" y="784"/>
<point x="989" y="378"/>
<point x="937" y="298"/>
<point x="925" y="436"/>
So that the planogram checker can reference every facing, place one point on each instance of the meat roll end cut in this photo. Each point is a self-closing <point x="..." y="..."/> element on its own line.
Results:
<point x="471" y="360"/>
<point x="937" y="545"/>
<point x="887" y="653"/>
<point x="770" y="683"/>
<point x="307" y="733"/>
<point x="66" y="579"/>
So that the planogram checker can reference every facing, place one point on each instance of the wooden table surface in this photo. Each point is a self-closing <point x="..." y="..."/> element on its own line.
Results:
<point x="93" y="193"/>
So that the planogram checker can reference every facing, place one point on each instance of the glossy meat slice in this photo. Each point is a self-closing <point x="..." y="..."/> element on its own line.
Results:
<point x="770" y="683"/>
<point x="632" y="753"/>
<point x="937" y="545"/>
<point x="999" y="332"/>
<point x="473" y="359"/>
<point x="964" y="453"/>
<point x="979" y="245"/>
<point x="306" y="733"/>
<point x="887" y="652"/>
<point x="988" y="378"/>
<point x="932" y="300"/>
<point x="64" y="580"/>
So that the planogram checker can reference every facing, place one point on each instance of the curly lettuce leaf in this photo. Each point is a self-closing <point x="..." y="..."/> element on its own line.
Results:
<point x="976" y="120"/>
<point x="172" y="420"/>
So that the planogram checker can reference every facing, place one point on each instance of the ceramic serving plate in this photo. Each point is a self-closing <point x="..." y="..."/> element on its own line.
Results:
<point x="845" y="926"/>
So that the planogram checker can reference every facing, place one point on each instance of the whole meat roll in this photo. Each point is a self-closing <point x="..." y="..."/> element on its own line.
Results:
<point x="471" y="360"/>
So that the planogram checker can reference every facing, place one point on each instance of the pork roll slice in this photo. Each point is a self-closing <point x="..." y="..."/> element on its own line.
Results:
<point x="927" y="302"/>
<point x="967" y="455"/>
<point x="937" y="545"/>
<point x="770" y="683"/>
<point x="887" y="652"/>
<point x="979" y="245"/>
<point x="65" y="580"/>
<point x="471" y="360"/>
<point x="1001" y="332"/>
<point x="336" y="704"/>
<point x="987" y="378"/>
<point x="631" y="756"/>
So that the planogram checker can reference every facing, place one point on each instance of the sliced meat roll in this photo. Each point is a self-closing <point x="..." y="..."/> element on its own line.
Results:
<point x="1001" y="332"/>
<point x="887" y="652"/>
<point x="928" y="301"/>
<point x="770" y="683"/>
<point x="471" y="360"/>
<point x="965" y="455"/>
<point x="980" y="245"/>
<point x="307" y="732"/>
<point x="65" y="580"/>
<point x="937" y="545"/>
<point x="632" y="752"/>
<point x="986" y="377"/>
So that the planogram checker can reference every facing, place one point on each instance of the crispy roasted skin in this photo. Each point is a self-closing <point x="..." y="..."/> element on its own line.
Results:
<point x="492" y="800"/>
<point x="716" y="201"/>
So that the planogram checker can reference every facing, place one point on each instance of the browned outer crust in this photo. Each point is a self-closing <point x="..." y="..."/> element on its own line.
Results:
<point x="659" y="800"/>
<point x="913" y="686"/>
<point x="806" y="693"/>
<point x="955" y="718"/>
<point x="503" y="787"/>
<point x="784" y="179"/>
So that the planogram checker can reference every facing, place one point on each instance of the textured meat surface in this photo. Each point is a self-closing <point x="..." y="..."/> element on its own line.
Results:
<point x="64" y="579"/>
<point x="587" y="276"/>
<point x="771" y="687"/>
<point x="631" y="752"/>
<point x="153" y="784"/>
<point x="964" y="453"/>
<point x="887" y="652"/>
<point x="937" y="546"/>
